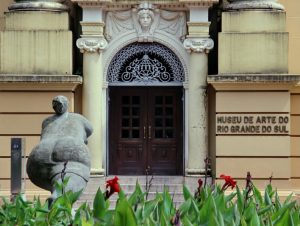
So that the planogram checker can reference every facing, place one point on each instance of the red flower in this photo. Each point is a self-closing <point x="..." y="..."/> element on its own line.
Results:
<point x="229" y="182"/>
<point x="113" y="185"/>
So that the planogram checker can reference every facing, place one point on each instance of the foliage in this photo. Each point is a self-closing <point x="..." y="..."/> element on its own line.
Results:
<point x="209" y="206"/>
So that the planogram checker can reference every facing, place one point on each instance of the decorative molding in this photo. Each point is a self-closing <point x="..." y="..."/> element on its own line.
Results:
<point x="198" y="45"/>
<point x="43" y="5"/>
<point x="177" y="5"/>
<point x="160" y="37"/>
<point x="194" y="172"/>
<point x="145" y="64"/>
<point x="254" y="81"/>
<point x="254" y="5"/>
<point x="11" y="82"/>
<point x="90" y="29"/>
<point x="145" y="20"/>
<point x="91" y="45"/>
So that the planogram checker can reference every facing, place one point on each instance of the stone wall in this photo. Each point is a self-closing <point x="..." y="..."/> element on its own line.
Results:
<point x="25" y="104"/>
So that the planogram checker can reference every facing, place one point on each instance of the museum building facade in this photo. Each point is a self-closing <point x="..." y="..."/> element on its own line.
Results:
<point x="165" y="84"/>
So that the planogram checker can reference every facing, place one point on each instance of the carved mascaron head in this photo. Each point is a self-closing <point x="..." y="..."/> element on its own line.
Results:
<point x="145" y="17"/>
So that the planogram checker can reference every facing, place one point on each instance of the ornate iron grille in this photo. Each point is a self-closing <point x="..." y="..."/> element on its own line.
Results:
<point x="144" y="64"/>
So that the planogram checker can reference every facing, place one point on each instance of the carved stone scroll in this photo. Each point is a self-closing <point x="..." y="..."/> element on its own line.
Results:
<point x="198" y="45"/>
<point x="91" y="44"/>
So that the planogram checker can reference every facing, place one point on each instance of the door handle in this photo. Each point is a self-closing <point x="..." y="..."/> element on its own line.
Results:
<point x="144" y="132"/>
<point x="149" y="132"/>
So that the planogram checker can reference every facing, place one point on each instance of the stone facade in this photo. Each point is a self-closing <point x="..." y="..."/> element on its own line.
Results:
<point x="257" y="78"/>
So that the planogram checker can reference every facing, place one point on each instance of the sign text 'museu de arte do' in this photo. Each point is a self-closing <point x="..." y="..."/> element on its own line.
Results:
<point x="253" y="124"/>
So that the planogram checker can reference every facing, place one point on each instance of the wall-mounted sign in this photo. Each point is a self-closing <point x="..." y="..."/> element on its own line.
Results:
<point x="263" y="124"/>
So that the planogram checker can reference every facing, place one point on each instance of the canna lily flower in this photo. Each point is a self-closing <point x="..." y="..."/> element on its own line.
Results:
<point x="229" y="182"/>
<point x="113" y="186"/>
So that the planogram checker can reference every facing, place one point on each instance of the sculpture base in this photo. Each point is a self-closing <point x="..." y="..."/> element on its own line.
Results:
<point x="38" y="6"/>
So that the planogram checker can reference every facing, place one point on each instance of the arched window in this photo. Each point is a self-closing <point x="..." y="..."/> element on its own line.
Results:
<point x="143" y="64"/>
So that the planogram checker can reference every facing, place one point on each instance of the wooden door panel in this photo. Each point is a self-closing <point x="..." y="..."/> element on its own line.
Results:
<point x="127" y="151"/>
<point x="163" y="159"/>
<point x="164" y="119"/>
<point x="128" y="157"/>
<point x="145" y="130"/>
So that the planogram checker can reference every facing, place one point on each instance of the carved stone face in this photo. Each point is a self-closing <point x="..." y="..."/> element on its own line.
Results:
<point x="60" y="104"/>
<point x="145" y="18"/>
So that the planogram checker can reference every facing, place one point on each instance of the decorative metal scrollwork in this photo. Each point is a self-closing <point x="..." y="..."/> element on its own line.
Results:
<point x="145" y="64"/>
<point x="145" y="70"/>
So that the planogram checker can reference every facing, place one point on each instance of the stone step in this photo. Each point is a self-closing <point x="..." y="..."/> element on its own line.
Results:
<point x="154" y="187"/>
<point x="128" y="183"/>
<point x="112" y="205"/>
<point x="177" y="197"/>
<point x="151" y="195"/>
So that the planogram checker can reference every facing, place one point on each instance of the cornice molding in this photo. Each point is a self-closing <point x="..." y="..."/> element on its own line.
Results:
<point x="41" y="5"/>
<point x="179" y="4"/>
<point x="254" y="81"/>
<point x="198" y="45"/>
<point x="254" y="5"/>
<point x="91" y="44"/>
<point x="39" y="82"/>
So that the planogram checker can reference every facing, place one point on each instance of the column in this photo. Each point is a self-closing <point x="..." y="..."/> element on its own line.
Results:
<point x="198" y="45"/>
<point x="91" y="44"/>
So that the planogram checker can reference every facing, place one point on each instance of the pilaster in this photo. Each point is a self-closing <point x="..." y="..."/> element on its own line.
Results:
<point x="91" y="44"/>
<point x="198" y="45"/>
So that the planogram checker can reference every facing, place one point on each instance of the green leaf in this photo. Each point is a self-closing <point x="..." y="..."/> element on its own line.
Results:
<point x="279" y="214"/>
<point x="124" y="215"/>
<point x="213" y="221"/>
<point x="137" y="196"/>
<point x="184" y="207"/>
<point x="229" y="197"/>
<point x="254" y="220"/>
<point x="99" y="205"/>
<point x="149" y="207"/>
<point x="257" y="196"/>
<point x="186" y="193"/>
<point x="206" y="210"/>
<point x="186" y="221"/>
<point x="267" y="198"/>
<point x="74" y="196"/>
<point x="240" y="200"/>
<point x="264" y="210"/>
<point x="284" y="220"/>
<point x="221" y="220"/>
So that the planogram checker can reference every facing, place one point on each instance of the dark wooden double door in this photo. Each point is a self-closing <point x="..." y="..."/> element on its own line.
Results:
<point x="145" y="131"/>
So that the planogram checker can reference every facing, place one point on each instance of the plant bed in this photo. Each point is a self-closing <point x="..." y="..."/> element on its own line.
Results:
<point x="208" y="206"/>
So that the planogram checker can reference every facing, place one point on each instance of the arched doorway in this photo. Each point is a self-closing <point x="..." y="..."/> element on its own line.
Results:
<point x="145" y="111"/>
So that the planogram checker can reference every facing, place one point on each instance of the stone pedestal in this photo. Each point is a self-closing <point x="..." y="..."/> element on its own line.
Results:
<point x="253" y="40"/>
<point x="36" y="42"/>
